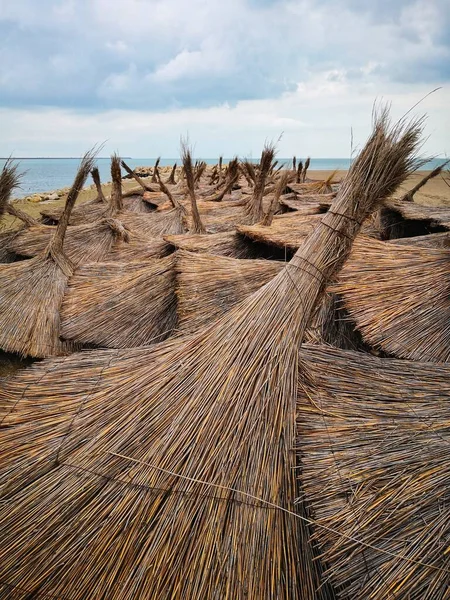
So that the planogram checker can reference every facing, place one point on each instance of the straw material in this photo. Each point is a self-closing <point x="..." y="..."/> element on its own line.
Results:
<point x="120" y="305"/>
<point x="138" y="247"/>
<point x="405" y="219"/>
<point x="197" y="225"/>
<point x="208" y="286"/>
<point x="373" y="443"/>
<point x="32" y="291"/>
<point x="432" y="240"/>
<point x="308" y="202"/>
<point x="254" y="207"/>
<point x="399" y="298"/>
<point x="286" y="231"/>
<point x="223" y="244"/>
<point x="118" y="506"/>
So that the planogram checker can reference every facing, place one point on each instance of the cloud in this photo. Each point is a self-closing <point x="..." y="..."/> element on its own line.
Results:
<point x="155" y="53"/>
<point x="204" y="63"/>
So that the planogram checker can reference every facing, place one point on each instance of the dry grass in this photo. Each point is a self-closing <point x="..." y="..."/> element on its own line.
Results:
<point x="120" y="305"/>
<point x="399" y="298"/>
<point x="286" y="231"/>
<point x="165" y="483"/>
<point x="373" y="443"/>
<point x="32" y="291"/>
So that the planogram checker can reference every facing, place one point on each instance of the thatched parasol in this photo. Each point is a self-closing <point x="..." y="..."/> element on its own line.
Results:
<point x="432" y="240"/>
<point x="286" y="231"/>
<point x="93" y="242"/>
<point x="32" y="291"/>
<point x="208" y="286"/>
<point x="373" y="442"/>
<point x="10" y="179"/>
<point x="120" y="305"/>
<point x="175" y="484"/>
<point x="87" y="212"/>
<point x="407" y="219"/>
<point x="197" y="225"/>
<point x="254" y="207"/>
<point x="409" y="196"/>
<point x="399" y="298"/>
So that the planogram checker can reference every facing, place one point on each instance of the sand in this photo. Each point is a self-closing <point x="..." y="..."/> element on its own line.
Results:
<point x="435" y="193"/>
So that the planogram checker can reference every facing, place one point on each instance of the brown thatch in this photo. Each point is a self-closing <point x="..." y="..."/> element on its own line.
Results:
<point x="155" y="169"/>
<point x="275" y="201"/>
<point x="197" y="225"/>
<point x="254" y="207"/>
<point x="399" y="298"/>
<point x="93" y="242"/>
<point x="409" y="196"/>
<point x="298" y="178"/>
<point x="407" y="219"/>
<point x="305" y="169"/>
<point x="120" y="305"/>
<point x="87" y="212"/>
<point x="286" y="231"/>
<point x="373" y="444"/>
<point x="173" y="473"/>
<point x="138" y="247"/>
<point x="32" y="291"/>
<point x="136" y="177"/>
<point x="432" y="240"/>
<point x="231" y="179"/>
<point x="9" y="179"/>
<point x="171" y="180"/>
<point x="208" y="286"/>
<point x="306" y="203"/>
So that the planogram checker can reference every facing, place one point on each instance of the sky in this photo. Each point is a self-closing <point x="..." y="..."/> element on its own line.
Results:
<point x="138" y="74"/>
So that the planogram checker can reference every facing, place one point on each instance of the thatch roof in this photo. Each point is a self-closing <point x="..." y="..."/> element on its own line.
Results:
<point x="32" y="291"/>
<point x="286" y="231"/>
<point x="399" y="298"/>
<point x="177" y="476"/>
<point x="209" y="285"/>
<point x="138" y="247"/>
<point x="373" y="446"/>
<point x="309" y="203"/>
<point x="120" y="305"/>
<point x="405" y="219"/>
<point x="432" y="240"/>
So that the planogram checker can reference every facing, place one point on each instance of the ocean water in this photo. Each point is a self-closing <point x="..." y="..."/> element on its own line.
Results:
<point x="46" y="174"/>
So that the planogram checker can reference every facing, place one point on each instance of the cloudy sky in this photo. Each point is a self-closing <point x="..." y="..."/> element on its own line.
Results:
<point x="231" y="74"/>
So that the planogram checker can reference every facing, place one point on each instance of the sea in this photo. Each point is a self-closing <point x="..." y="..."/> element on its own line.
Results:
<point x="47" y="174"/>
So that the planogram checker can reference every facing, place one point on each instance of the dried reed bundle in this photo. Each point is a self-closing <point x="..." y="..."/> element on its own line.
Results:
<point x="120" y="305"/>
<point x="399" y="298"/>
<point x="373" y="441"/>
<point x="9" y="179"/>
<point x="254" y="206"/>
<point x="136" y="177"/>
<point x="305" y="169"/>
<point x="32" y="291"/>
<point x="87" y="212"/>
<point x="231" y="180"/>
<point x="197" y="225"/>
<point x="177" y="488"/>
<point x="275" y="202"/>
<point x="409" y="196"/>
<point x="298" y="178"/>
<point x="155" y="169"/>
<point x="171" y="180"/>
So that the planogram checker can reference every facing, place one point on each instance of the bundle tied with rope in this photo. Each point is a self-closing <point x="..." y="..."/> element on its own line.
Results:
<point x="126" y="494"/>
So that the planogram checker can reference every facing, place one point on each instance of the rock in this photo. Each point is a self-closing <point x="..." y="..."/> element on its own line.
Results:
<point x="35" y="198"/>
<point x="53" y="196"/>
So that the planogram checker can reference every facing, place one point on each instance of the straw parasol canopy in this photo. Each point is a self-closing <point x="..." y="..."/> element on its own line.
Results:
<point x="286" y="231"/>
<point x="399" y="298"/>
<point x="32" y="291"/>
<point x="406" y="219"/>
<point x="373" y="441"/>
<point x="432" y="240"/>
<point x="208" y="286"/>
<point x="175" y="478"/>
<point x="93" y="242"/>
<point x="120" y="305"/>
